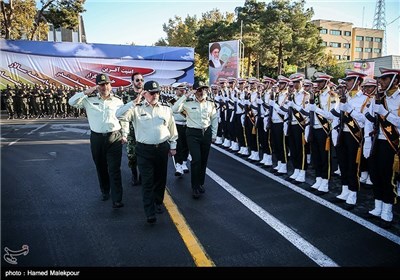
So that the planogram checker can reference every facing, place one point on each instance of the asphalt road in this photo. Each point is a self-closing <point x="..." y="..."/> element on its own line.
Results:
<point x="248" y="217"/>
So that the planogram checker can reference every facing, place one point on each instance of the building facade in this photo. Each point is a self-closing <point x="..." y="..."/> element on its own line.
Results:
<point x="67" y="35"/>
<point x="349" y="43"/>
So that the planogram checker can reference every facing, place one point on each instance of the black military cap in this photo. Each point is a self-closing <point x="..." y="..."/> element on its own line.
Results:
<point x="199" y="85"/>
<point x="102" y="79"/>
<point x="151" y="86"/>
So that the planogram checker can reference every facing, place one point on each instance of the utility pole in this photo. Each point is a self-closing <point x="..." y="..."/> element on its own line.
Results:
<point x="380" y="21"/>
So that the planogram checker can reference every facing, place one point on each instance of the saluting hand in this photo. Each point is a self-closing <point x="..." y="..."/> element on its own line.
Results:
<point x="90" y="90"/>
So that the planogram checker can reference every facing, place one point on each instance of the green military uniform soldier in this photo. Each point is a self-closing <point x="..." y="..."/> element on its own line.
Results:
<point x="128" y="96"/>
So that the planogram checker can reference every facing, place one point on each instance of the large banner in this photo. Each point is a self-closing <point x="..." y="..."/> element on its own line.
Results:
<point x="76" y="64"/>
<point x="366" y="67"/>
<point x="223" y="60"/>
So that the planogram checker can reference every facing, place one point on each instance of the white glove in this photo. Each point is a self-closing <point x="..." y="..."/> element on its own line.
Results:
<point x="345" y="107"/>
<point x="312" y="107"/>
<point x="259" y="101"/>
<point x="271" y="102"/>
<point x="290" y="103"/>
<point x="265" y="124"/>
<point x="335" y="135"/>
<point x="242" y="119"/>
<point x="379" y="109"/>
<point x="367" y="147"/>
<point x="306" y="132"/>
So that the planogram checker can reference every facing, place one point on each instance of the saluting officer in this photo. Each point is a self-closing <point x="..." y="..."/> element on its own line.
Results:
<point x="202" y="126"/>
<point x="107" y="135"/>
<point x="156" y="136"/>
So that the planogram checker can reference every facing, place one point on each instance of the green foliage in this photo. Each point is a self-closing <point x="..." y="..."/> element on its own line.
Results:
<point x="64" y="13"/>
<point x="20" y="19"/>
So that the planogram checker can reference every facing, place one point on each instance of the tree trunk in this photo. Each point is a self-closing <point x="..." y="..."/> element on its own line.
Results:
<point x="280" y="59"/>
<point x="38" y="19"/>
<point x="7" y="10"/>
<point x="248" y="64"/>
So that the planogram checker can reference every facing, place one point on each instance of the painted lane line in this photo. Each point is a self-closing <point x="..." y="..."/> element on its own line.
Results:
<point x="300" y="243"/>
<point x="196" y="250"/>
<point x="378" y="230"/>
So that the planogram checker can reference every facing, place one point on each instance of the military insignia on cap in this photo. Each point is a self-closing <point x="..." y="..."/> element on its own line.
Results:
<point x="154" y="85"/>
<point x="103" y="77"/>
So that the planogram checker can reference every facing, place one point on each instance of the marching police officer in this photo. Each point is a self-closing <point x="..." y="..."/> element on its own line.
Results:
<point x="202" y="125"/>
<point x="107" y="135"/>
<point x="156" y="136"/>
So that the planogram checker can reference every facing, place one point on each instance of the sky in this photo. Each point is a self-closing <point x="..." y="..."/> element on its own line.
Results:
<point x="140" y="21"/>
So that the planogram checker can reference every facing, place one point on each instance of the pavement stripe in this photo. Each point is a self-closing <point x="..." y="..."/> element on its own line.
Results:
<point x="304" y="246"/>
<point x="199" y="255"/>
<point x="378" y="230"/>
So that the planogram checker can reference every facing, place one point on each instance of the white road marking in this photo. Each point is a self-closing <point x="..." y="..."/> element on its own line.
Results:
<point x="36" y="129"/>
<point x="304" y="246"/>
<point x="317" y="199"/>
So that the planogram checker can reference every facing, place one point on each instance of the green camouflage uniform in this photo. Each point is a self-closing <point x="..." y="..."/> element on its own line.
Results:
<point x="128" y="96"/>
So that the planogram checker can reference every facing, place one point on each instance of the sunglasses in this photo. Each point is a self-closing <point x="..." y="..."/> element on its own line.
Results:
<point x="139" y="80"/>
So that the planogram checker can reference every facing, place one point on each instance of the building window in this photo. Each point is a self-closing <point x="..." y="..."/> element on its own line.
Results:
<point x="323" y="31"/>
<point x="368" y="39"/>
<point x="337" y="57"/>
<point x="336" y="32"/>
<point x="335" y="45"/>
<point x="346" y="45"/>
<point x="347" y="57"/>
<point x="379" y="40"/>
<point x="359" y="49"/>
<point x="347" y="33"/>
<point x="324" y="43"/>
<point x="368" y="49"/>
<point x="376" y="50"/>
<point x="359" y="38"/>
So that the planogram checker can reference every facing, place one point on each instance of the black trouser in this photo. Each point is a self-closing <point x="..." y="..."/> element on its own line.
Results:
<point x="320" y="156"/>
<point x="297" y="147"/>
<point x="152" y="162"/>
<point x="199" y="142"/>
<point x="107" y="153"/>
<point x="382" y="173"/>
<point x="347" y="155"/>
<point x="182" y="150"/>
<point x="279" y="142"/>
<point x="239" y="131"/>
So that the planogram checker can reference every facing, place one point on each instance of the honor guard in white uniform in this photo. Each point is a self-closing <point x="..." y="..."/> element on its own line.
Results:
<point x="382" y="144"/>
<point x="353" y="103"/>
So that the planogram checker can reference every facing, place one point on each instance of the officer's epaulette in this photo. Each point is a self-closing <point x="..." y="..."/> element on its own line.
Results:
<point x="165" y="104"/>
<point x="189" y="99"/>
<point x="210" y="99"/>
<point x="116" y="96"/>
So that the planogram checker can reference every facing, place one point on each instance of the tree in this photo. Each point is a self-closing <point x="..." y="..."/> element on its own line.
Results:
<point x="20" y="19"/>
<point x="181" y="33"/>
<point x="249" y="18"/>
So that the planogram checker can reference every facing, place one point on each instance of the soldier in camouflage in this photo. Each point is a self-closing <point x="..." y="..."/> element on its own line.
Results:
<point x="135" y="90"/>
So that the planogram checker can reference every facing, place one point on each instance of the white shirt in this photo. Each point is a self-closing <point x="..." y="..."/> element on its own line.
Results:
<point x="100" y="112"/>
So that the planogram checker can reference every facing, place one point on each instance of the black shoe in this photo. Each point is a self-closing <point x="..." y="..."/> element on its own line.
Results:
<point x="195" y="193"/>
<point x="117" y="205"/>
<point x="151" y="219"/>
<point x="202" y="189"/>
<point x="105" y="197"/>
<point x="349" y="207"/>
<point x="159" y="209"/>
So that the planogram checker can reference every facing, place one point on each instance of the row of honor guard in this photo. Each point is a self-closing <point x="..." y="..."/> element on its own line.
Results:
<point x="293" y="116"/>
